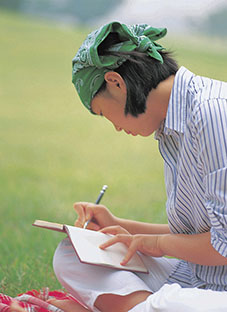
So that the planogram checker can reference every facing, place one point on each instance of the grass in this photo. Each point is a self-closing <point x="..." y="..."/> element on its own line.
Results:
<point x="53" y="153"/>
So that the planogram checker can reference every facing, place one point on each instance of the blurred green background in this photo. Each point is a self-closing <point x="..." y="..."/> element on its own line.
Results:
<point x="53" y="152"/>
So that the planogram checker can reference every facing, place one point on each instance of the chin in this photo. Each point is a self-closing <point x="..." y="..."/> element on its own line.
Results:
<point x="146" y="134"/>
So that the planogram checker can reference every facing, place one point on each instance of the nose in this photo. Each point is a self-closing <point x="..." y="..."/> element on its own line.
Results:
<point x="118" y="128"/>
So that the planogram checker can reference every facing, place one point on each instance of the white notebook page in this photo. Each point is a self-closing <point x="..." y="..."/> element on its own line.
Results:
<point x="86" y="244"/>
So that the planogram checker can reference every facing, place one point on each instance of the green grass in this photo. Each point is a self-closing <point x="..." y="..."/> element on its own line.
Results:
<point x="53" y="152"/>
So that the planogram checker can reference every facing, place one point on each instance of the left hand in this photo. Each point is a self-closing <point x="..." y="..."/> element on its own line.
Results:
<point x="147" y="244"/>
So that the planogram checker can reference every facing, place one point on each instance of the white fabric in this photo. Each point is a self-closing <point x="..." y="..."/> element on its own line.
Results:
<point x="86" y="282"/>
<point x="173" y="298"/>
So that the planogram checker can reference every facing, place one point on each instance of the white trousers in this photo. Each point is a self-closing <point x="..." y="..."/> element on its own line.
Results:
<point x="173" y="298"/>
<point x="86" y="282"/>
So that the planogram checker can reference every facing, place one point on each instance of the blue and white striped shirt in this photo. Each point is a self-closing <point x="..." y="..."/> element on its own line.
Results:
<point x="193" y="143"/>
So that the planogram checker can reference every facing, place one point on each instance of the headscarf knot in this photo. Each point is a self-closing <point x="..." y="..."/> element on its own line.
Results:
<point x="144" y="43"/>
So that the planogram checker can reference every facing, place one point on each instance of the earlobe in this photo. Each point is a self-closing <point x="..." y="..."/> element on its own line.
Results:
<point x="114" y="79"/>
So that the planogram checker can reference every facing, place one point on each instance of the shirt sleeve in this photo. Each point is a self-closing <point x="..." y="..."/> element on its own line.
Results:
<point x="216" y="204"/>
<point x="211" y="137"/>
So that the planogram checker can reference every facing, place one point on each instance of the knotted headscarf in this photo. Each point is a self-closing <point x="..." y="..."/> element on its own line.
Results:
<point x="89" y="67"/>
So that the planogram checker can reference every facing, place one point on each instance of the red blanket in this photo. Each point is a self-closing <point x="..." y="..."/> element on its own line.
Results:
<point x="34" y="301"/>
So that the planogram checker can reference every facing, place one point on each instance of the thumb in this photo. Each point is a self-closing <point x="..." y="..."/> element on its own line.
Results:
<point x="93" y="226"/>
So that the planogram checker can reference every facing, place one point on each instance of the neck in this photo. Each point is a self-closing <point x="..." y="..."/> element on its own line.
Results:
<point x="160" y="96"/>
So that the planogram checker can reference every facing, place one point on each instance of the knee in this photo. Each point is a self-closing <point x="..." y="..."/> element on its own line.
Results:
<point x="60" y="259"/>
<point x="57" y="261"/>
<point x="66" y="264"/>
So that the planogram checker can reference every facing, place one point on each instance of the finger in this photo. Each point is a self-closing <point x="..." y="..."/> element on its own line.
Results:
<point x="80" y="210"/>
<point x="109" y="243"/>
<point x="128" y="256"/>
<point x="84" y="211"/>
<point x="132" y="248"/>
<point x="78" y="223"/>
<point x="90" y="218"/>
<point x="119" y="238"/>
<point x="93" y="226"/>
<point x="115" y="229"/>
<point x="110" y="230"/>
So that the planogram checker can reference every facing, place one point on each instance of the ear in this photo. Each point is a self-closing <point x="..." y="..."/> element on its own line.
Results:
<point x="114" y="80"/>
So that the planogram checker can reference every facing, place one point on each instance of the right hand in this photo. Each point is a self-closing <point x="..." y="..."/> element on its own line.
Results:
<point x="114" y="230"/>
<point x="100" y="215"/>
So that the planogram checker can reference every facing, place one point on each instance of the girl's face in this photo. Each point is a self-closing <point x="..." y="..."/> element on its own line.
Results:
<point x="113" y="110"/>
<point x="111" y="104"/>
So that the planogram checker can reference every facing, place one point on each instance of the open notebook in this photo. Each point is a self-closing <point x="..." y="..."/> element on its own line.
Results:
<point x="86" y="244"/>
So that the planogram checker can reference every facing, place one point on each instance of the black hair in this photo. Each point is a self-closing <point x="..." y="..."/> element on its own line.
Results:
<point x="141" y="73"/>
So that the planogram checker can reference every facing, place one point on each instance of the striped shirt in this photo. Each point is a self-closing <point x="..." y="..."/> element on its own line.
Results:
<point x="193" y="144"/>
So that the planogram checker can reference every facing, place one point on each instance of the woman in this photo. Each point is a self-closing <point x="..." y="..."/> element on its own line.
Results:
<point x="121" y="73"/>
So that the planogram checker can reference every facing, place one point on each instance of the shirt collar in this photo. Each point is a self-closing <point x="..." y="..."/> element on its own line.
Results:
<point x="176" y="113"/>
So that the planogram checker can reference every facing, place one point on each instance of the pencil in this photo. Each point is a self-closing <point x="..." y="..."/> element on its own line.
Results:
<point x="102" y="192"/>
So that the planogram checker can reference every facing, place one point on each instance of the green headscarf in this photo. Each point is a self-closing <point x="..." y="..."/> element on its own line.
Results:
<point x="89" y="68"/>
